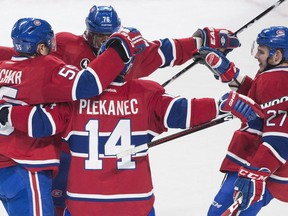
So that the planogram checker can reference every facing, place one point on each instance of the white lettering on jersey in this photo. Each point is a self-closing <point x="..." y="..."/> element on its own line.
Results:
<point x="274" y="102"/>
<point x="109" y="107"/>
<point x="10" y="76"/>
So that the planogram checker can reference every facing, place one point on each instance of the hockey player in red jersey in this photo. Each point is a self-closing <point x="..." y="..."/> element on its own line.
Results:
<point x="80" y="50"/>
<point x="126" y="115"/>
<point x="256" y="161"/>
<point x="77" y="50"/>
<point x="35" y="77"/>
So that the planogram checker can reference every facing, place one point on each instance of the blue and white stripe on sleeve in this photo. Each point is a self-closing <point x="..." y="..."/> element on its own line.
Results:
<point x="40" y="123"/>
<point x="87" y="84"/>
<point x="167" y="52"/>
<point x="175" y="117"/>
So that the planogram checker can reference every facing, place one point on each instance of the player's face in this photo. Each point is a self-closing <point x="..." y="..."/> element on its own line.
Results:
<point x="100" y="38"/>
<point x="96" y="39"/>
<point x="262" y="55"/>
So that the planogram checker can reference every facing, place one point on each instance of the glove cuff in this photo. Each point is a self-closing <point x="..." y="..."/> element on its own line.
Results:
<point x="254" y="173"/>
<point x="236" y="81"/>
<point x="198" y="42"/>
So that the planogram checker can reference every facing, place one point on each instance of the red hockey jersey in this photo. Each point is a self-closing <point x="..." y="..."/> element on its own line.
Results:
<point x="47" y="79"/>
<point x="270" y="148"/>
<point x="125" y="115"/>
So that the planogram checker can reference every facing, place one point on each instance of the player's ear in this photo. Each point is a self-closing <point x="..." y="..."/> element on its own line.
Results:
<point x="42" y="49"/>
<point x="277" y="57"/>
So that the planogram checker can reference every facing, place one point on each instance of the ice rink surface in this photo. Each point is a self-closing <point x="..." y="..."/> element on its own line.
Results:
<point x="185" y="171"/>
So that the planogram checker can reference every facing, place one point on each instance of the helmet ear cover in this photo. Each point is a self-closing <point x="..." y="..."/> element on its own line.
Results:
<point x="27" y="33"/>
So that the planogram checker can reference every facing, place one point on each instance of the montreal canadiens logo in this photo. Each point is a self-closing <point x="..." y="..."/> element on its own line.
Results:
<point x="280" y="33"/>
<point x="57" y="193"/>
<point x="37" y="22"/>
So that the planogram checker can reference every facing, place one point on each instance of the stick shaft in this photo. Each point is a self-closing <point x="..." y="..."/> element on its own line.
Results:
<point x="175" y="136"/>
<point x="258" y="17"/>
<point x="180" y="73"/>
<point x="234" y="206"/>
<point x="190" y="130"/>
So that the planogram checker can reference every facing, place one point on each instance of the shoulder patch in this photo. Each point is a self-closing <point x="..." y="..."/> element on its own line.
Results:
<point x="84" y="63"/>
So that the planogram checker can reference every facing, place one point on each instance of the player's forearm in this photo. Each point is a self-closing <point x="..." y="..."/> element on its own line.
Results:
<point x="185" y="49"/>
<point x="186" y="113"/>
<point x="39" y="121"/>
<point x="242" y="84"/>
<point x="19" y="117"/>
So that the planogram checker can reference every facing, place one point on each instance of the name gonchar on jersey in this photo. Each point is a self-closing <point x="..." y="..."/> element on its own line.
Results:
<point x="10" y="76"/>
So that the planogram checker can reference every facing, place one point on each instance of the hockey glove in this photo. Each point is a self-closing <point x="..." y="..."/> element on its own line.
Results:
<point x="4" y="112"/>
<point x="254" y="126"/>
<point x="240" y="106"/>
<point x="127" y="42"/>
<point x="127" y="65"/>
<point x="251" y="184"/>
<point x="222" y="39"/>
<point x="220" y="65"/>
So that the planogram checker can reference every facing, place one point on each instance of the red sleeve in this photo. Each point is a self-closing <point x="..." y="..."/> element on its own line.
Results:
<point x="19" y="116"/>
<point x="107" y="66"/>
<point x="245" y="86"/>
<point x="185" y="49"/>
<point x="150" y="60"/>
<point x="265" y="158"/>
<point x="202" y="110"/>
<point x="6" y="53"/>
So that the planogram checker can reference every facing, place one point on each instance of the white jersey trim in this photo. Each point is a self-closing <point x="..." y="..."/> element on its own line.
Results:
<point x="238" y="158"/>
<point x="32" y="162"/>
<point x="108" y="197"/>
<point x="85" y="133"/>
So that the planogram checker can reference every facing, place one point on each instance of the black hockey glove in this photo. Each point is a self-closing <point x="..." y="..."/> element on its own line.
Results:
<point x="127" y="42"/>
<point x="4" y="112"/>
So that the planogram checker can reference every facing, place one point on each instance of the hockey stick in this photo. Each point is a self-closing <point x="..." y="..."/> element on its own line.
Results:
<point x="235" y="33"/>
<point x="181" y="72"/>
<point x="259" y="16"/>
<point x="174" y="136"/>
<point x="234" y="206"/>
<point x="214" y="122"/>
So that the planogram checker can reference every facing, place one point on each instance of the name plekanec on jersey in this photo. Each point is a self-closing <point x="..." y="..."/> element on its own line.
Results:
<point x="109" y="107"/>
